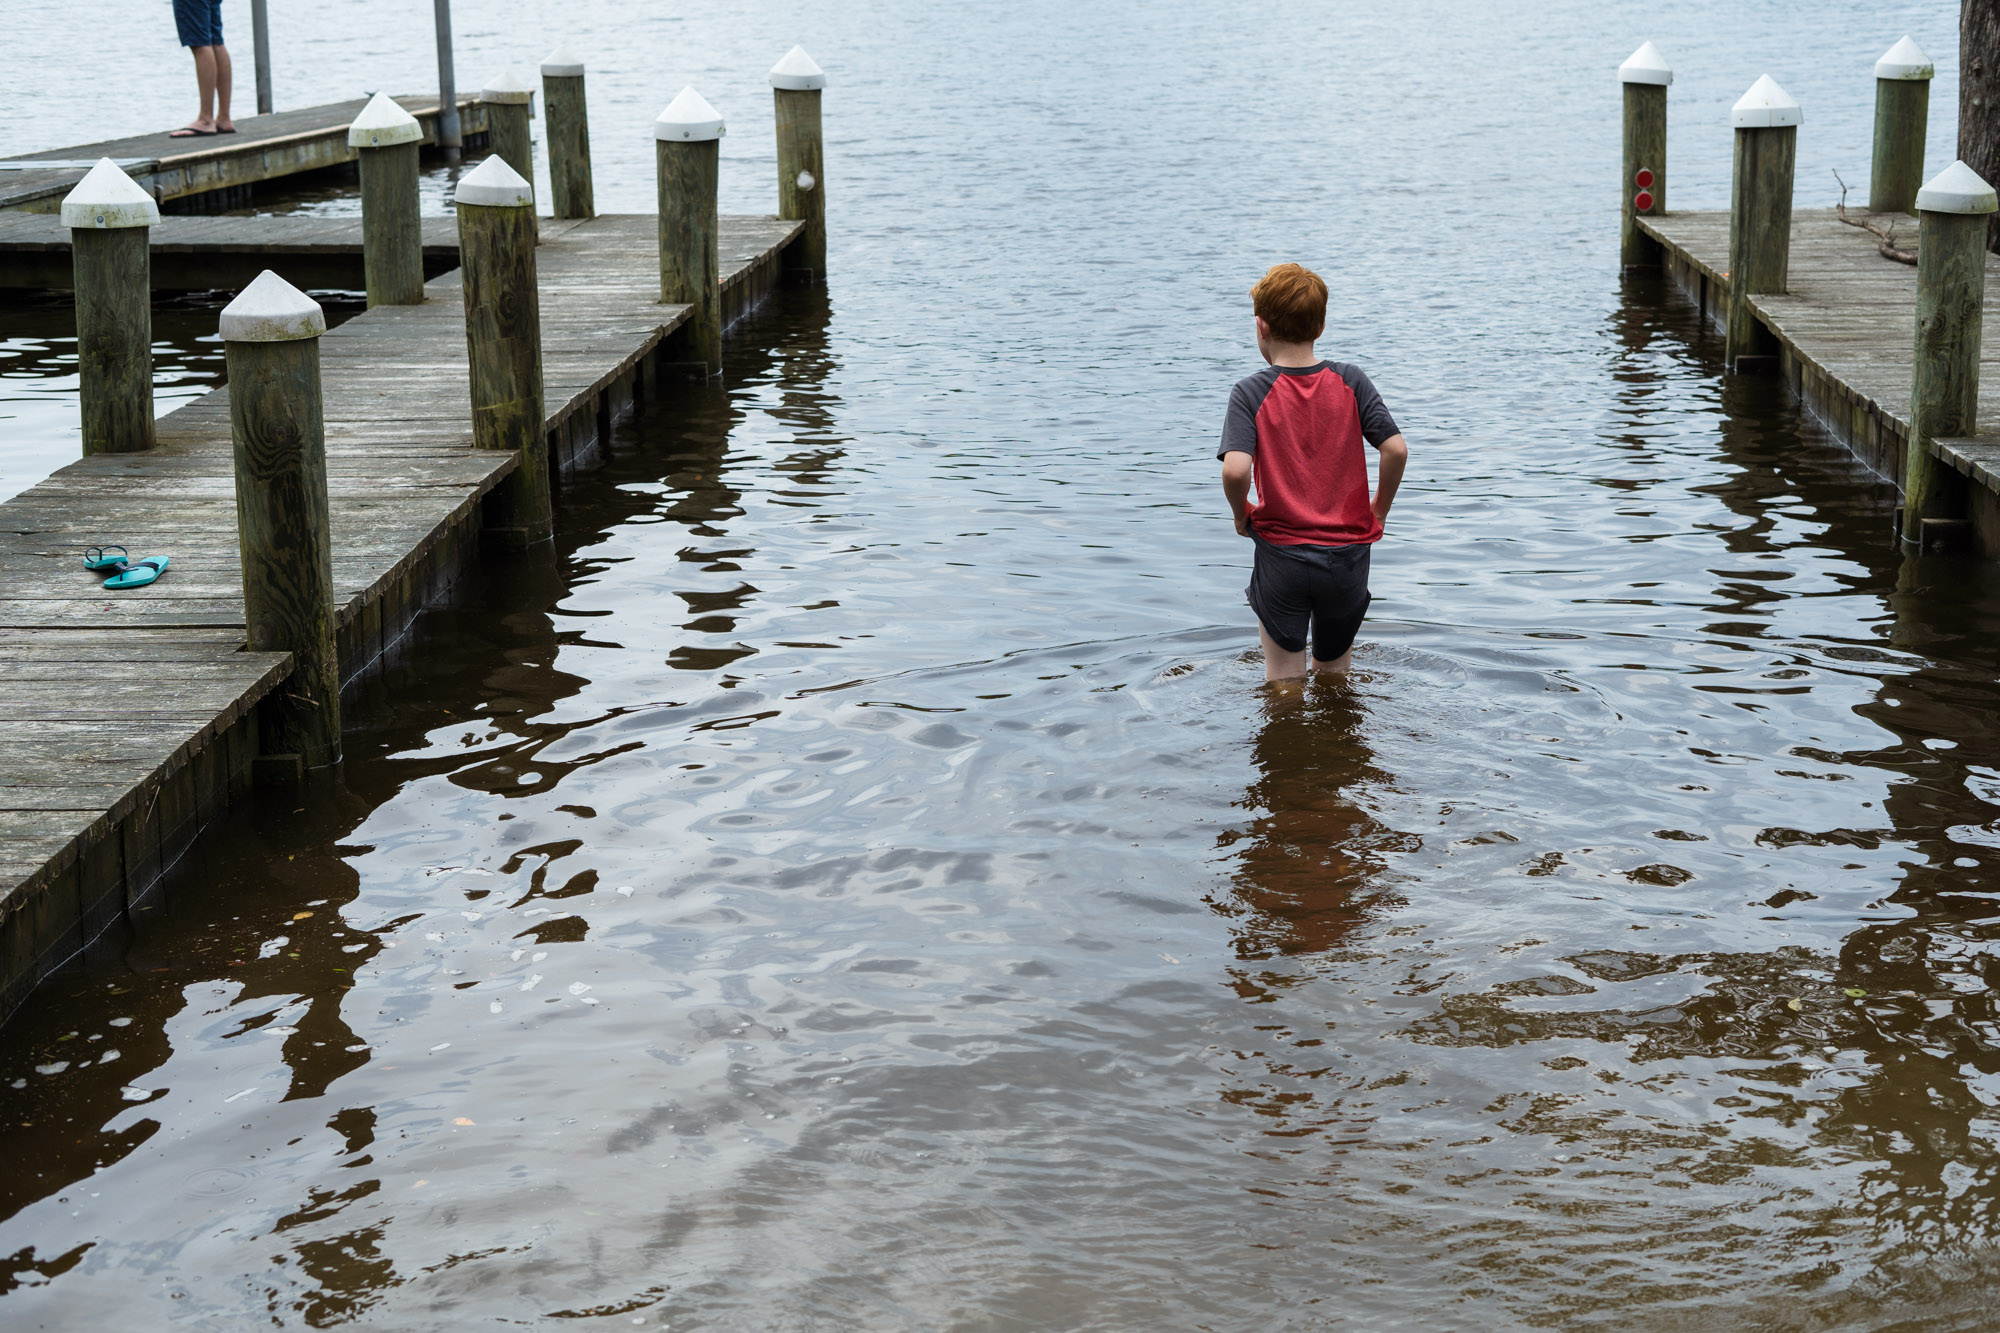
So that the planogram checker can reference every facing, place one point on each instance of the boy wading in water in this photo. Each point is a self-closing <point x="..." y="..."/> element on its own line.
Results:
<point x="1295" y="430"/>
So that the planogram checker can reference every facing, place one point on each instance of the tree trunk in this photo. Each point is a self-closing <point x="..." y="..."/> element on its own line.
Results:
<point x="1979" y="95"/>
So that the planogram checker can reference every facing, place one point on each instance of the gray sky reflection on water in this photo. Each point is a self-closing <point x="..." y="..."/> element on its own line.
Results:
<point x="996" y="955"/>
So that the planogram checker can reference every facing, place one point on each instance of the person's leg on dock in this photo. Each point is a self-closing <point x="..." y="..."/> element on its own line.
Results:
<point x="199" y="23"/>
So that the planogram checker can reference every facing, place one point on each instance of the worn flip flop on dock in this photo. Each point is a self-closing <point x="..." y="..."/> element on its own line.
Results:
<point x="138" y="573"/>
<point x="99" y="560"/>
<point x="190" y="132"/>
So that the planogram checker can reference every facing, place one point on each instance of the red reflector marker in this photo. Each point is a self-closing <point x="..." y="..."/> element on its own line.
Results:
<point x="1643" y="201"/>
<point x="1644" y="180"/>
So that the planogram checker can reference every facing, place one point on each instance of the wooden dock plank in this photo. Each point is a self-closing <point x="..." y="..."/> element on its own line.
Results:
<point x="1849" y="319"/>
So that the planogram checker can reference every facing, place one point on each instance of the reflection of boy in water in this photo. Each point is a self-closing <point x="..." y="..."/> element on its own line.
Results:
<point x="1296" y="428"/>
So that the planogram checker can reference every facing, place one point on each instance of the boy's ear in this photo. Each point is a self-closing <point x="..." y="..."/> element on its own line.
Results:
<point x="1263" y="329"/>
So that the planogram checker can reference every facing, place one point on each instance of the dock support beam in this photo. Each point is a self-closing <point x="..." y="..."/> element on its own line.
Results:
<point x="1645" y="77"/>
<point x="270" y="337"/>
<point x="110" y="220"/>
<point x="687" y="143"/>
<point x="385" y="138"/>
<point x="567" y="132"/>
<point x="1766" y="121"/>
<point x="1902" y="115"/>
<point x="796" y="82"/>
<point x="503" y="337"/>
<point x="1951" y="293"/>
<point x="508" y="110"/>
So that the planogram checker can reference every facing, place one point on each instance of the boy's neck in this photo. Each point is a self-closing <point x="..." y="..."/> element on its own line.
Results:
<point x="1290" y="355"/>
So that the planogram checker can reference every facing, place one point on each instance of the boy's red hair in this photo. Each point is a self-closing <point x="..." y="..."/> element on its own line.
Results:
<point x="1291" y="299"/>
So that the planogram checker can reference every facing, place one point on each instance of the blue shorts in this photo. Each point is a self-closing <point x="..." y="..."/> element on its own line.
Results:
<point x="200" y="22"/>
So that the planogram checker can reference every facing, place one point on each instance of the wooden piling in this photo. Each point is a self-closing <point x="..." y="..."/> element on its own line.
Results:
<point x="110" y="220"/>
<point x="1902" y="115"/>
<point x="796" y="82"/>
<point x="270" y="336"/>
<point x="385" y="138"/>
<point x="687" y="143"/>
<point x="1645" y="77"/>
<point x="567" y="129"/>
<point x="1766" y="122"/>
<point x="503" y="337"/>
<point x="509" y="100"/>
<point x="1951" y="292"/>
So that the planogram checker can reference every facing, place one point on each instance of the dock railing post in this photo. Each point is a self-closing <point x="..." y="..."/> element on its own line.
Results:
<point x="1902" y="115"/>
<point x="110" y="219"/>
<point x="567" y="133"/>
<point x="385" y="137"/>
<point x="1645" y="77"/>
<point x="1951" y="293"/>
<point x="270" y="338"/>
<point x="503" y="337"/>
<point x="1766" y="120"/>
<point x="687" y="148"/>
<point x="260" y="52"/>
<point x="509" y="106"/>
<point x="796" y="82"/>
<point x="449" y="136"/>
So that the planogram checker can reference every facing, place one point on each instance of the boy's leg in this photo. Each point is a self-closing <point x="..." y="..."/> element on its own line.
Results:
<point x="1280" y="663"/>
<point x="1338" y="666"/>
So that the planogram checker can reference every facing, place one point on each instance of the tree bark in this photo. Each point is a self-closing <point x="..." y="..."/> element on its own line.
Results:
<point x="1979" y="95"/>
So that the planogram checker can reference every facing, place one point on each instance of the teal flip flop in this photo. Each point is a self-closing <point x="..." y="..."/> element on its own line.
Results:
<point x="99" y="560"/>
<point x="138" y="573"/>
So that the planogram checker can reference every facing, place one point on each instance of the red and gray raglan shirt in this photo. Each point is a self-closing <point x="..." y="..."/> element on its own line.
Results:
<point x="1302" y="427"/>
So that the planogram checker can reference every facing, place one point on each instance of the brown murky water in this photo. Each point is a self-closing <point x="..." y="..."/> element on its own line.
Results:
<point x="858" y="880"/>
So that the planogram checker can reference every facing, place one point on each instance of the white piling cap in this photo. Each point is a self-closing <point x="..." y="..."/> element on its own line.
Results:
<point x="1645" y="65"/>
<point x="271" y="310"/>
<point x="688" y="117"/>
<point x="797" y="72"/>
<point x="107" y="198"/>
<point x="561" y="63"/>
<point x="1957" y="189"/>
<point x="494" y="184"/>
<point x="1905" y="60"/>
<point x="1766" y="106"/>
<point x="382" y="123"/>
<point x="513" y="85"/>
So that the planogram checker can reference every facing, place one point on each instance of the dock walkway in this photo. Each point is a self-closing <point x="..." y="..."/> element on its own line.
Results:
<point x="263" y="148"/>
<point x="127" y="720"/>
<point x="1846" y="332"/>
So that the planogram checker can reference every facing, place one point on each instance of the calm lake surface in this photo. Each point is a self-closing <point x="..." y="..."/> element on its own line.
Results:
<point x="858" y="879"/>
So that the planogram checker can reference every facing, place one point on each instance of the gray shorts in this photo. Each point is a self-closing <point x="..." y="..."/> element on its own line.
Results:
<point x="1321" y="589"/>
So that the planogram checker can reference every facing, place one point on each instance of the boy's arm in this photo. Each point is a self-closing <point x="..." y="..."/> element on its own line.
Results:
<point x="1237" y="467"/>
<point x="1394" y="451"/>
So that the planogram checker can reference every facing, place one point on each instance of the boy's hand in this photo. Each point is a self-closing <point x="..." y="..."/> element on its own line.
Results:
<point x="1243" y="524"/>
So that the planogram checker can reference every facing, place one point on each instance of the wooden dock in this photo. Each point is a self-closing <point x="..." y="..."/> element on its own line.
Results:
<point x="1845" y="334"/>
<point x="217" y="171"/>
<point x="129" y="720"/>
<point x="199" y="254"/>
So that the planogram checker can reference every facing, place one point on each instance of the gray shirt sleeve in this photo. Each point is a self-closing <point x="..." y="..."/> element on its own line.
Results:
<point x="1239" y="423"/>
<point x="1376" y="423"/>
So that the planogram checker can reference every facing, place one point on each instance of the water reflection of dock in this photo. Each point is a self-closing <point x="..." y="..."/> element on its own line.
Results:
<point x="130" y="718"/>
